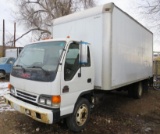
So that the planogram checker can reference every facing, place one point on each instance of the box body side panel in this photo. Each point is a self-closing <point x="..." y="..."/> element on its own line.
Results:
<point x="131" y="50"/>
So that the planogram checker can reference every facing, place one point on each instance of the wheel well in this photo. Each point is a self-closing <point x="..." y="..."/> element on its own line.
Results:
<point x="87" y="95"/>
<point x="3" y="70"/>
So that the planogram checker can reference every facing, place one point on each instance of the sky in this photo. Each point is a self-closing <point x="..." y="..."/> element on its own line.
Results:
<point x="6" y="13"/>
<point x="129" y="6"/>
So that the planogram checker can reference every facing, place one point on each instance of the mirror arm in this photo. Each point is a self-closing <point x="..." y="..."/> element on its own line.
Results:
<point x="79" y="74"/>
<point x="80" y="65"/>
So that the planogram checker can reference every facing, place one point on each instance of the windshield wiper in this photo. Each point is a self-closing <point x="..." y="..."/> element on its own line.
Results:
<point x="39" y="67"/>
<point x="20" y="67"/>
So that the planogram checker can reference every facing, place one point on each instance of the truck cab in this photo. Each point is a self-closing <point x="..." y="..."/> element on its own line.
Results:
<point x="48" y="80"/>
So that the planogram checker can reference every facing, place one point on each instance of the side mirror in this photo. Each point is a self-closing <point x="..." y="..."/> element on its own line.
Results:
<point x="83" y="52"/>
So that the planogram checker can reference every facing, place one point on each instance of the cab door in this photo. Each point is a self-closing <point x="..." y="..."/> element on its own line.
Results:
<point x="76" y="78"/>
<point x="9" y="65"/>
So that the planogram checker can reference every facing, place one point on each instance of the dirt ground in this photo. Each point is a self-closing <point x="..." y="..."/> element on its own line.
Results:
<point x="116" y="114"/>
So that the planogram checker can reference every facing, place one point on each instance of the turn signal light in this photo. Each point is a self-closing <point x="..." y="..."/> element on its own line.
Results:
<point x="9" y="86"/>
<point x="56" y="99"/>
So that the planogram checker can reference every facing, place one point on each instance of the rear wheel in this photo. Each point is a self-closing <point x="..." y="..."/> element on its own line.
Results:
<point x="78" y="120"/>
<point x="145" y="86"/>
<point x="130" y="91"/>
<point x="138" y="90"/>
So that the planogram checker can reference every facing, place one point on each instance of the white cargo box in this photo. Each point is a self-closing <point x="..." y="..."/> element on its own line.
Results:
<point x="13" y="52"/>
<point x="122" y="47"/>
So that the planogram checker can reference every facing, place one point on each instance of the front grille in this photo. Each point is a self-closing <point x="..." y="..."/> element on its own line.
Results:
<point x="26" y="96"/>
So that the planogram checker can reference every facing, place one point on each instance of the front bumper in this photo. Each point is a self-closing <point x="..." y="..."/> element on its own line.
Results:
<point x="35" y="112"/>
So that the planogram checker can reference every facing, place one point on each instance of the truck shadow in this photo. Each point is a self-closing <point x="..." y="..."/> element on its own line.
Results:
<point x="112" y="109"/>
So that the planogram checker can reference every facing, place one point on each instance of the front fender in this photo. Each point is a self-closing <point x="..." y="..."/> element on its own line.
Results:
<point x="6" y="68"/>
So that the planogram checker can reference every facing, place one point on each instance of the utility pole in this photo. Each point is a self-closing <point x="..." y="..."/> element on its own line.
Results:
<point x="3" y="37"/>
<point x="14" y="34"/>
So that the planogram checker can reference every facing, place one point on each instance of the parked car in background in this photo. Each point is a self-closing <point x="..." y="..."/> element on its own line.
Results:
<point x="6" y="64"/>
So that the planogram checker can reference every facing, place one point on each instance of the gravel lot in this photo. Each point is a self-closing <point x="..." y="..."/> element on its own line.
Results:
<point x="115" y="114"/>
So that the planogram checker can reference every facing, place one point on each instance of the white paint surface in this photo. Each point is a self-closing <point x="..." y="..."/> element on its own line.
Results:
<point x="122" y="48"/>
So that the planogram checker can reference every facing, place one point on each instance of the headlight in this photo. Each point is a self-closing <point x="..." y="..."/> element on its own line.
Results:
<point x="42" y="100"/>
<point x="12" y="89"/>
<point x="50" y="101"/>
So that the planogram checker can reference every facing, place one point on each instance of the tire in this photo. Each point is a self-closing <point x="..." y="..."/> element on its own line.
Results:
<point x="130" y="91"/>
<point x="2" y="74"/>
<point x="80" y="116"/>
<point x="138" y="90"/>
<point x="145" y="86"/>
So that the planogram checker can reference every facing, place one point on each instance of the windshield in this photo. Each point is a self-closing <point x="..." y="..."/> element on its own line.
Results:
<point x="39" y="59"/>
<point x="3" y="60"/>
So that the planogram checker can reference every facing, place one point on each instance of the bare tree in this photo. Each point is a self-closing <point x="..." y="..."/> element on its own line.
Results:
<point x="37" y="15"/>
<point x="151" y="11"/>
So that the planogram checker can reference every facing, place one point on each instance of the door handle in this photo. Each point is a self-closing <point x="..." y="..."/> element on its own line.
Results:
<point x="89" y="80"/>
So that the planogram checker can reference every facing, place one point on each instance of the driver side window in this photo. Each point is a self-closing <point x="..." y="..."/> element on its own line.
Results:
<point x="72" y="61"/>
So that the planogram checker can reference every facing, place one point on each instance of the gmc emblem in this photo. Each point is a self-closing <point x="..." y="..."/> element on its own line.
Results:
<point x="26" y="75"/>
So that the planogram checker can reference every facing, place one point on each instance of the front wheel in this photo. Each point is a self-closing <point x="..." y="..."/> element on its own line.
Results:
<point x="2" y="74"/>
<point x="80" y="116"/>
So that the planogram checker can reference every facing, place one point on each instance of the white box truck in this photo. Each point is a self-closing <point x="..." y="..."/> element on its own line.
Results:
<point x="56" y="79"/>
<point x="13" y="52"/>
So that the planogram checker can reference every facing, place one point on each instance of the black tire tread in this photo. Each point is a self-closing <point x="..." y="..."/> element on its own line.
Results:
<point x="71" y="119"/>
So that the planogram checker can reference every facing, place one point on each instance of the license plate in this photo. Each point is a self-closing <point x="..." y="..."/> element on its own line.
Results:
<point x="16" y="107"/>
<point x="28" y="112"/>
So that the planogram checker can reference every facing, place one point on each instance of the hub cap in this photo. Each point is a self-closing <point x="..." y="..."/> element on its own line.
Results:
<point x="82" y="115"/>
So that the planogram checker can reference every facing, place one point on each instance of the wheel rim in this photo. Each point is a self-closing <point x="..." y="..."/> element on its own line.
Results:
<point x="140" y="89"/>
<point x="82" y="115"/>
